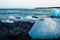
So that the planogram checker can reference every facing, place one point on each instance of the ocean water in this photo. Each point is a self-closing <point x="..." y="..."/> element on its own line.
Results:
<point x="24" y="12"/>
<point x="4" y="13"/>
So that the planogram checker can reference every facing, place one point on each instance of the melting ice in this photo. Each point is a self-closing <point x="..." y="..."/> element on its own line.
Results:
<point x="55" y="12"/>
<point x="48" y="28"/>
<point x="7" y="21"/>
<point x="28" y="18"/>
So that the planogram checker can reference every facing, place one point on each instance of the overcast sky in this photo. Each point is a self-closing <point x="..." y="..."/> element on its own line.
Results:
<point x="28" y="3"/>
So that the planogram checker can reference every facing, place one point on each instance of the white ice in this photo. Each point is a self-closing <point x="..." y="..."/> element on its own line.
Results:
<point x="7" y="21"/>
<point x="11" y="17"/>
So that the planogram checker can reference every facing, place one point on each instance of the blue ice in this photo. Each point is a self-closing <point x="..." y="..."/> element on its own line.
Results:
<point x="48" y="28"/>
<point x="55" y="12"/>
<point x="29" y="18"/>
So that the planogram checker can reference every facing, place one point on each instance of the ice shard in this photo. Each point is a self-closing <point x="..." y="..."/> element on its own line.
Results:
<point x="46" y="29"/>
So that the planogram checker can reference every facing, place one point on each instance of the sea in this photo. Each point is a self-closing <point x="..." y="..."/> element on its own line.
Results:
<point x="17" y="12"/>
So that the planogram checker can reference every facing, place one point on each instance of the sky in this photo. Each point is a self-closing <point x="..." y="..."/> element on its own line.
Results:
<point x="29" y="3"/>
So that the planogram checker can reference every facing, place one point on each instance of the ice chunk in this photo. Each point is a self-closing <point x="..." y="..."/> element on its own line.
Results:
<point x="11" y="17"/>
<point x="45" y="29"/>
<point x="30" y="18"/>
<point x="7" y="21"/>
<point x="21" y="18"/>
<point x="55" y="12"/>
<point x="15" y="18"/>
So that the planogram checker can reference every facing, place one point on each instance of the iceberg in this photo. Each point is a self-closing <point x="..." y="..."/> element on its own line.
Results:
<point x="55" y="12"/>
<point x="47" y="28"/>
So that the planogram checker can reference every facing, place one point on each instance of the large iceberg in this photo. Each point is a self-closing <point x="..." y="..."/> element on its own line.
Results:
<point x="47" y="28"/>
<point x="55" y="12"/>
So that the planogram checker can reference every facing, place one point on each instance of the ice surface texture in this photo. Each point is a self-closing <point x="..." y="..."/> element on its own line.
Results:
<point x="48" y="28"/>
<point x="55" y="12"/>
